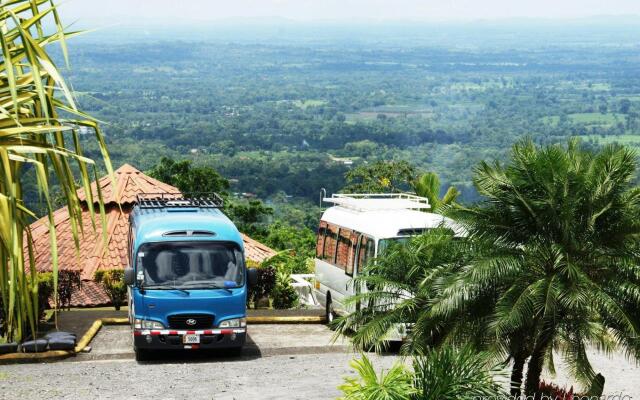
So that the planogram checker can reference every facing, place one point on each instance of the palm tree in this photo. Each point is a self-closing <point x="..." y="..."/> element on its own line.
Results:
<point x="428" y="185"/>
<point x="38" y="135"/>
<point x="420" y="283"/>
<point x="402" y="284"/>
<point x="564" y="223"/>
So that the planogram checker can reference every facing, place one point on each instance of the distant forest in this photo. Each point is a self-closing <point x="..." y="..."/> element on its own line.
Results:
<point x="283" y="120"/>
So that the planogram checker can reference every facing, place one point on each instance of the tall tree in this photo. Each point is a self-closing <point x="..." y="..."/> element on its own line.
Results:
<point x="380" y="177"/>
<point x="35" y="139"/>
<point x="187" y="178"/>
<point x="564" y="223"/>
<point x="428" y="185"/>
<point x="250" y="215"/>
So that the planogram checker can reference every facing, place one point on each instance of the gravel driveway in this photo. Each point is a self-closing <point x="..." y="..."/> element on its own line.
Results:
<point x="278" y="377"/>
<point x="280" y="362"/>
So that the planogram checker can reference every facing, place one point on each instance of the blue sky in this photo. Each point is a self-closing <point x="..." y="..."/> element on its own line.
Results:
<point x="184" y="11"/>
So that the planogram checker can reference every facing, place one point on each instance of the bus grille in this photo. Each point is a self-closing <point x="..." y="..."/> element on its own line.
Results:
<point x="179" y="321"/>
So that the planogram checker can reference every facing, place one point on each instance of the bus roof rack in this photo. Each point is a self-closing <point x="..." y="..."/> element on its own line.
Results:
<point x="379" y="201"/>
<point x="178" y="200"/>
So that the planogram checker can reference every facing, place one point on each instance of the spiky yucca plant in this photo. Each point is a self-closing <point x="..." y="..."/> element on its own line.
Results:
<point x="394" y="384"/>
<point x="39" y="134"/>
<point x="447" y="373"/>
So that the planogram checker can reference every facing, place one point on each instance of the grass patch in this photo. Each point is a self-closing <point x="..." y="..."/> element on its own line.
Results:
<point x="394" y="110"/>
<point x="599" y="119"/>
<point x="627" y="140"/>
<point x="551" y="120"/>
<point x="304" y="104"/>
<point x="592" y="86"/>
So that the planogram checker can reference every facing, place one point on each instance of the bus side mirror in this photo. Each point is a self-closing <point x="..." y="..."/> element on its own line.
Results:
<point x="252" y="276"/>
<point x="129" y="276"/>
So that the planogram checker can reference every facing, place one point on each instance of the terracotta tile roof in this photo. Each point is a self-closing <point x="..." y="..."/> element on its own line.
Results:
<point x="129" y="183"/>
<point x="92" y="254"/>
<point x="256" y="251"/>
<point x="91" y="294"/>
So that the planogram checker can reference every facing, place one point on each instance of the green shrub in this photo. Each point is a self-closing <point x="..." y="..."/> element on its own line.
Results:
<point x="45" y="291"/>
<point x="284" y="295"/>
<point x="68" y="283"/>
<point x="113" y="283"/>
<point x="442" y="374"/>
<point x="264" y="286"/>
<point x="395" y="384"/>
<point x="448" y="373"/>
<point x="296" y="240"/>
<point x="288" y="261"/>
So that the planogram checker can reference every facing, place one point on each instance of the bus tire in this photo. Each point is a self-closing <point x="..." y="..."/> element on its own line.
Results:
<point x="234" y="351"/>
<point x="330" y="313"/>
<point x="141" y="354"/>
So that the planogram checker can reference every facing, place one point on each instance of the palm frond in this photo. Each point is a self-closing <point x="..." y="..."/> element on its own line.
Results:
<point x="34" y="138"/>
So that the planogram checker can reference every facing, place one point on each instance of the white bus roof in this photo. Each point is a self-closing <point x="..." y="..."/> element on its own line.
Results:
<point x="382" y="201"/>
<point x="385" y="216"/>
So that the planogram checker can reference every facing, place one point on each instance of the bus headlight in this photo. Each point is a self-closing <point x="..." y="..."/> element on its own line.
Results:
<point x="147" y="324"/>
<point x="233" y="323"/>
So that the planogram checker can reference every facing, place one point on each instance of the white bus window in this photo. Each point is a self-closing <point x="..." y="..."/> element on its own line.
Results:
<point x="366" y="251"/>
<point x="351" y="262"/>
<point x="320" y="240"/>
<point x="344" y="248"/>
<point x="330" y="241"/>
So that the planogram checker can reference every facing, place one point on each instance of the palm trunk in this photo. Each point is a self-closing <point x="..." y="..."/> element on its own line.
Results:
<point x="534" y="370"/>
<point x="517" y="374"/>
<point x="536" y="362"/>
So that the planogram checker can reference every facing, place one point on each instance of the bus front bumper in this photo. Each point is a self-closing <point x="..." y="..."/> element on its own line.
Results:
<point x="181" y="339"/>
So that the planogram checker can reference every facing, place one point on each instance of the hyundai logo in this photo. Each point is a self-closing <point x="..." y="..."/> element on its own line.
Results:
<point x="191" y="322"/>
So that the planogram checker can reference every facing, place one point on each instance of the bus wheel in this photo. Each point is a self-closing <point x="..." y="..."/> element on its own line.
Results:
<point x="329" y="311"/>
<point x="234" y="351"/>
<point x="141" y="355"/>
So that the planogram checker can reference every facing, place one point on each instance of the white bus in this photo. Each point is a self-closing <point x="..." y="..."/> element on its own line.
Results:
<point x="355" y="230"/>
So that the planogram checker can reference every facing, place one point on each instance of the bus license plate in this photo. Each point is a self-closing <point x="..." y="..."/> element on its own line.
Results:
<point x="191" y="339"/>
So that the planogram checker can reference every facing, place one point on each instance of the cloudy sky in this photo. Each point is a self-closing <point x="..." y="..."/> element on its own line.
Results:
<point x="438" y="10"/>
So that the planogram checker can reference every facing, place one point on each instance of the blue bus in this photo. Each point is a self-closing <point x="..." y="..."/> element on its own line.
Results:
<point x="187" y="283"/>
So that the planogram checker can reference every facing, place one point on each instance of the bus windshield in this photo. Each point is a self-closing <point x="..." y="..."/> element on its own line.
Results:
<point x="190" y="265"/>
<point x="384" y="244"/>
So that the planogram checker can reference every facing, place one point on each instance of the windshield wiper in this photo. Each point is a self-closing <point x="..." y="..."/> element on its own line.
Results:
<point x="212" y="286"/>
<point x="166" y="287"/>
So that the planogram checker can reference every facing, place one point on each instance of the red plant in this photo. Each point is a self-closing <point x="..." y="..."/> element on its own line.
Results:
<point x="555" y="392"/>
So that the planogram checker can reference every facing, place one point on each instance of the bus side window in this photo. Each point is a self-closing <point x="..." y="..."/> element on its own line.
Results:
<point x="351" y="261"/>
<point x="329" y="252"/>
<point x="344" y="249"/>
<point x="366" y="251"/>
<point x="321" y="237"/>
